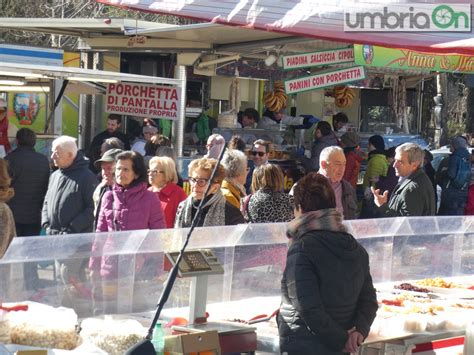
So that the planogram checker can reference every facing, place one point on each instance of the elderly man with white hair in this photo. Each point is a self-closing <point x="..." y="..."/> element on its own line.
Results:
<point x="414" y="194"/>
<point x="68" y="206"/>
<point x="332" y="165"/>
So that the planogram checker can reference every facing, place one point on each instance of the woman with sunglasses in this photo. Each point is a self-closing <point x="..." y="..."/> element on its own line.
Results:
<point x="216" y="210"/>
<point x="162" y="177"/>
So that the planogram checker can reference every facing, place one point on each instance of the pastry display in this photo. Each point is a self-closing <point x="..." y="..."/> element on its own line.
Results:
<point x="276" y="99"/>
<point x="343" y="96"/>
<point x="436" y="282"/>
<point x="416" y="307"/>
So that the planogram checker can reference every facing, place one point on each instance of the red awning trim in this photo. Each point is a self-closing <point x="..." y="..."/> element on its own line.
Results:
<point x="311" y="19"/>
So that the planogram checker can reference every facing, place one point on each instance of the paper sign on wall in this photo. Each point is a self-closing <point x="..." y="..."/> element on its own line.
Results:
<point x="143" y="100"/>
<point x="315" y="59"/>
<point x="321" y="80"/>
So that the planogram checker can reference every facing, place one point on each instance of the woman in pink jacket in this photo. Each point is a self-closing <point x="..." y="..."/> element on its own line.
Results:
<point x="128" y="206"/>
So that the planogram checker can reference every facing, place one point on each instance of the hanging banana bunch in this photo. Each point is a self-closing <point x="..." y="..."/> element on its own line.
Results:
<point x="234" y="95"/>
<point x="276" y="99"/>
<point x="343" y="96"/>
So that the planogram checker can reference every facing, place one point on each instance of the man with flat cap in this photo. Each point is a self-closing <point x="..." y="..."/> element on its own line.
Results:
<point x="106" y="164"/>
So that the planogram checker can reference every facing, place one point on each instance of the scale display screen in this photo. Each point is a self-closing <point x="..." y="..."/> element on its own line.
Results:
<point x="193" y="261"/>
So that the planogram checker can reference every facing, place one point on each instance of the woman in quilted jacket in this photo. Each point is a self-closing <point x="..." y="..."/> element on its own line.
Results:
<point x="128" y="206"/>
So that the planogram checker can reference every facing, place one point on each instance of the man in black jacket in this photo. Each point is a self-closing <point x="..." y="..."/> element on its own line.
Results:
<point x="328" y="299"/>
<point x="68" y="206"/>
<point x="30" y="174"/>
<point x="114" y="122"/>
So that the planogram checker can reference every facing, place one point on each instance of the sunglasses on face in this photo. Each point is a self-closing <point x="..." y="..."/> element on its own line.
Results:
<point x="154" y="172"/>
<point x="260" y="154"/>
<point x="201" y="182"/>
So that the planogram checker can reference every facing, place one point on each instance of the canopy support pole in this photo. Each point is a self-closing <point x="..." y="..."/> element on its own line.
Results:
<point x="178" y="125"/>
<point x="56" y="104"/>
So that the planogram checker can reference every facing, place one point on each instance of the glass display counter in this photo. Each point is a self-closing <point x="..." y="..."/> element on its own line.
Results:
<point x="253" y="257"/>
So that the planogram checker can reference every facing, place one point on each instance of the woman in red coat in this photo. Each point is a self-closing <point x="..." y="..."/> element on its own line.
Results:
<point x="469" y="209"/>
<point x="163" y="178"/>
<point x="350" y="142"/>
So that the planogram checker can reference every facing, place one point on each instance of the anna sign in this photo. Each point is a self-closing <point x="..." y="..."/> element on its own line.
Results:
<point x="376" y="56"/>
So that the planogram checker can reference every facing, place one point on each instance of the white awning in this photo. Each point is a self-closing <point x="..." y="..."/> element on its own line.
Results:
<point x="30" y="71"/>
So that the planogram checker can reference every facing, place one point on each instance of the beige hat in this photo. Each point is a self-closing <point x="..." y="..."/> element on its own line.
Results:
<point x="350" y="139"/>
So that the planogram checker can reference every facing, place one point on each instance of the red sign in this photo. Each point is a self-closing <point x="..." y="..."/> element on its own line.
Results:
<point x="143" y="100"/>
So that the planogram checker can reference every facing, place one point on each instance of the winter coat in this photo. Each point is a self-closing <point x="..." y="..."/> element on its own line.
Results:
<point x="122" y="209"/>
<point x="326" y="290"/>
<point x="135" y="208"/>
<point x="317" y="147"/>
<point x="349" y="200"/>
<point x="455" y="160"/>
<point x="453" y="198"/>
<point x="68" y="205"/>
<point x="414" y="196"/>
<point x="170" y="197"/>
<point x="376" y="166"/>
<point x="469" y="209"/>
<point x="30" y="175"/>
<point x="232" y="215"/>
<point x="7" y="228"/>
<point x="266" y="206"/>
<point x="232" y="193"/>
<point x="353" y="161"/>
<point x="94" y="149"/>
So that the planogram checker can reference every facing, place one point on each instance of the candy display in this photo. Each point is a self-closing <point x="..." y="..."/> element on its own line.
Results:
<point x="114" y="336"/>
<point x="44" y="326"/>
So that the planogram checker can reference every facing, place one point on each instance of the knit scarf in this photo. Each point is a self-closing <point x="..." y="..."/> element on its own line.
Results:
<point x="327" y="220"/>
<point x="215" y="215"/>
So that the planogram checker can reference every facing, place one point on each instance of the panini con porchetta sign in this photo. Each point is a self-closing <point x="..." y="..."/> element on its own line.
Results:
<point x="321" y="80"/>
<point x="143" y="100"/>
<point x="315" y="59"/>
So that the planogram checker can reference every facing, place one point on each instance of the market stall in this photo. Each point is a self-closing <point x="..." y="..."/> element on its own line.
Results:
<point x="124" y="91"/>
<point x="435" y="254"/>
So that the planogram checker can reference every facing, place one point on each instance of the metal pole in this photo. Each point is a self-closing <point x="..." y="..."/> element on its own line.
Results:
<point x="178" y="125"/>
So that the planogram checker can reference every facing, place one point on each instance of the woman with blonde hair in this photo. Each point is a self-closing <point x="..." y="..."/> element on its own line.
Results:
<point x="217" y="211"/>
<point x="268" y="201"/>
<point x="162" y="177"/>
<point x="7" y="223"/>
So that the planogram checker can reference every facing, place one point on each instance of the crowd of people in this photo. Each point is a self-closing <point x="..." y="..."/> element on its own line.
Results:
<point x="122" y="186"/>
